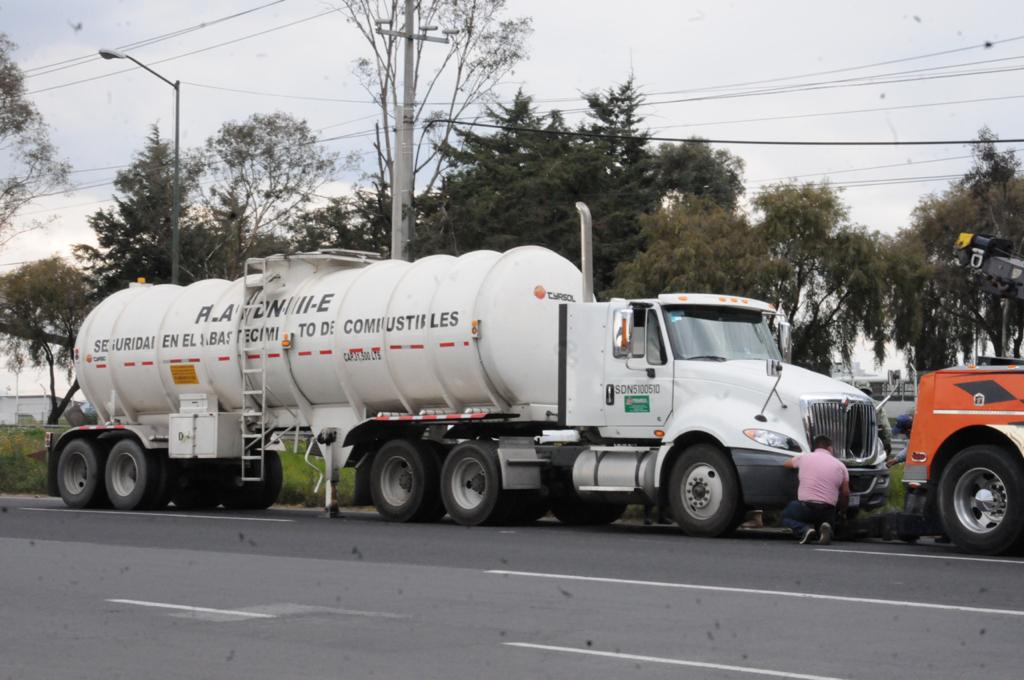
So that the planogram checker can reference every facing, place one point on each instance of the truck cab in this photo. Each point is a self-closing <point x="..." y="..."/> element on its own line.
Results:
<point x="701" y="380"/>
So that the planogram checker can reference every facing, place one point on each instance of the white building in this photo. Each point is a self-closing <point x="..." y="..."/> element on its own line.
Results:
<point x="30" y="408"/>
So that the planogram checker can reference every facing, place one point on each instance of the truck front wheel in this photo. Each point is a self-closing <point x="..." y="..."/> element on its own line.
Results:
<point x="404" y="481"/>
<point x="981" y="499"/>
<point x="704" y="492"/>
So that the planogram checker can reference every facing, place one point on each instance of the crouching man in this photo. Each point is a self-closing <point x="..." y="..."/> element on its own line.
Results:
<point x="824" y="487"/>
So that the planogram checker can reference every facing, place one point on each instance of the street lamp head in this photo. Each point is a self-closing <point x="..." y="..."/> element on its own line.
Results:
<point x="112" y="54"/>
<point x="450" y="31"/>
<point x="383" y="21"/>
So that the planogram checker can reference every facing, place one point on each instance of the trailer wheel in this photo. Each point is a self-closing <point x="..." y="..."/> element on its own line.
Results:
<point x="195" y="493"/>
<point x="132" y="476"/>
<point x="255" y="495"/>
<point x="704" y="492"/>
<point x="574" y="512"/>
<point x="471" y="485"/>
<point x="168" y="481"/>
<point x="981" y="499"/>
<point x="404" y="481"/>
<point x="80" y="478"/>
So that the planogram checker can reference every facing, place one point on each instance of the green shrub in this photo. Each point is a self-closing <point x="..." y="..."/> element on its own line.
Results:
<point x="20" y="473"/>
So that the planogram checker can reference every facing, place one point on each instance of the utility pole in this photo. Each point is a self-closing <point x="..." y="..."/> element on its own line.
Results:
<point x="176" y="207"/>
<point x="403" y="220"/>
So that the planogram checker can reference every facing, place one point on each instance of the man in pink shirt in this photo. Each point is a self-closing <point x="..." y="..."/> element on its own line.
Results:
<point x="824" y="486"/>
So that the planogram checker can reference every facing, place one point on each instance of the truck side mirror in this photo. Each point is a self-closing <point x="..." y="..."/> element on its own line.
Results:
<point x="786" y="340"/>
<point x="622" y="333"/>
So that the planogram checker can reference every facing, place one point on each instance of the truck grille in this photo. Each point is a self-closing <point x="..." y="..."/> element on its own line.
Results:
<point x="849" y="423"/>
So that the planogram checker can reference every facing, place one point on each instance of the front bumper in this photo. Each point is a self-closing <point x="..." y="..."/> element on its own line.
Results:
<point x="766" y="483"/>
<point x="869" y="487"/>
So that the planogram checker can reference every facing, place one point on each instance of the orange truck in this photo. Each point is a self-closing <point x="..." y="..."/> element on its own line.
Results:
<point x="965" y="458"/>
<point x="964" y="470"/>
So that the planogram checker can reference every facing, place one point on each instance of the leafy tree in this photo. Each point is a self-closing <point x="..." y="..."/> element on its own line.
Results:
<point x="695" y="244"/>
<point x="264" y="171"/>
<point x="45" y="302"/>
<point x="802" y="253"/>
<point x="695" y="168"/>
<point x="827" y="272"/>
<point x="25" y="149"/>
<point x="134" y="236"/>
<point x="352" y="222"/>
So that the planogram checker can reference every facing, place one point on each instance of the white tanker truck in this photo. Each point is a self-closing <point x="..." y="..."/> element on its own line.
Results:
<point x="484" y="387"/>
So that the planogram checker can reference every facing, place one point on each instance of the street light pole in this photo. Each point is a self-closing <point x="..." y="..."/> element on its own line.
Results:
<point x="403" y="220"/>
<point x="176" y="200"/>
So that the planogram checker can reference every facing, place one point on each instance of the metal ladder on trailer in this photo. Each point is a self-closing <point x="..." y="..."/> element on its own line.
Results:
<point x="253" y="360"/>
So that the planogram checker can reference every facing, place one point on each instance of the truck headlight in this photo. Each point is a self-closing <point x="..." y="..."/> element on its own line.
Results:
<point x="773" y="439"/>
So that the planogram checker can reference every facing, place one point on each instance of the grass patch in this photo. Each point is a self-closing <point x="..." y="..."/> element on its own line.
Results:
<point x="20" y="473"/>
<point x="896" y="490"/>
<point x="299" y="480"/>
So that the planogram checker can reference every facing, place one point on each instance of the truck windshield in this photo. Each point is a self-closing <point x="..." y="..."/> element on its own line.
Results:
<point x="719" y="334"/>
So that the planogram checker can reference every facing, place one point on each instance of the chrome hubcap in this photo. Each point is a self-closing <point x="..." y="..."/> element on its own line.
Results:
<point x="979" y="499"/>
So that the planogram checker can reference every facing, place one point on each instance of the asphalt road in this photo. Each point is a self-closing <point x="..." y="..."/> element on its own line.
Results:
<point x="290" y="594"/>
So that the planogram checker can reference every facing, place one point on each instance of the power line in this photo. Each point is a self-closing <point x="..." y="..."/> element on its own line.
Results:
<point x="986" y="45"/>
<point x="757" y="142"/>
<point x="846" y="112"/>
<point x="872" y="167"/>
<point x="823" y="85"/>
<point x="92" y="56"/>
<point x="282" y="96"/>
<point x="186" y="54"/>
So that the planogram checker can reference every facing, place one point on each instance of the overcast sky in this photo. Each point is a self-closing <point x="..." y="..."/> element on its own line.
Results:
<point x="676" y="50"/>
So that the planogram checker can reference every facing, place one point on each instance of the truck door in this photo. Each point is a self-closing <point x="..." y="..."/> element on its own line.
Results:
<point x="638" y="373"/>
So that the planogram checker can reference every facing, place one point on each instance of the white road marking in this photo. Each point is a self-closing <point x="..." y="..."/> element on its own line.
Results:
<point x="924" y="557"/>
<point x="292" y="609"/>
<point x="198" y="610"/>
<point x="758" y="591"/>
<point x="133" y="513"/>
<point x="673" y="662"/>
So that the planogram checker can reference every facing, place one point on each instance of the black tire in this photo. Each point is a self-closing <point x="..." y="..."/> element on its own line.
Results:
<point x="168" y="482"/>
<point x="704" y="492"/>
<point x="133" y="476"/>
<point x="527" y="508"/>
<point x="404" y="481"/>
<point x="471" y="485"/>
<point x="574" y="512"/>
<point x="196" y="493"/>
<point x="254" y="495"/>
<point x="987" y="527"/>
<point x="80" y="474"/>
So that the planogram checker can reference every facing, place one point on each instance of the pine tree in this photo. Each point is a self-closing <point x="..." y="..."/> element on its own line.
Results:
<point x="134" y="237"/>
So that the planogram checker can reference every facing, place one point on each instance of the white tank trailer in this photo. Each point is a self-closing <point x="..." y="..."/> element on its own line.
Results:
<point x="485" y="387"/>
